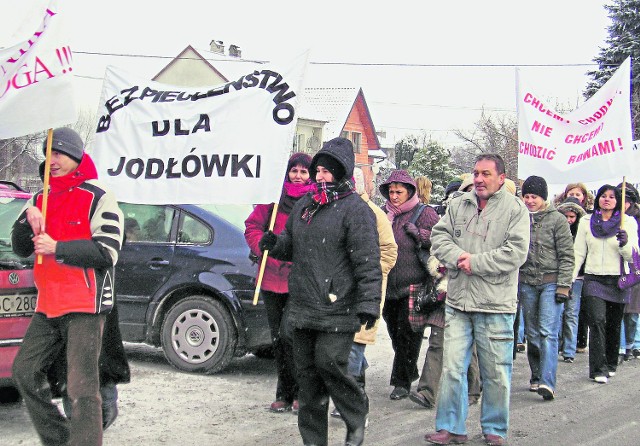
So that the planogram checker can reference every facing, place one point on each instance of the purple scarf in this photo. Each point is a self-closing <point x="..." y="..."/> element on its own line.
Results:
<point x="604" y="229"/>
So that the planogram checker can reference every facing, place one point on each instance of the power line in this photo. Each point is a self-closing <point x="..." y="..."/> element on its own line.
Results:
<point x="354" y="64"/>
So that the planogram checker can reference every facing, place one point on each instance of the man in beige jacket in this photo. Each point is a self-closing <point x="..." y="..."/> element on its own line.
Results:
<point x="388" y="254"/>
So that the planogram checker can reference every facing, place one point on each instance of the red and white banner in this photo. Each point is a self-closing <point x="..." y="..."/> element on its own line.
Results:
<point x="592" y="144"/>
<point x="36" y="81"/>
<point x="225" y="144"/>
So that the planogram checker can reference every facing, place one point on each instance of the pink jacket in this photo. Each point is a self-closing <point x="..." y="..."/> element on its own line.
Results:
<point x="276" y="273"/>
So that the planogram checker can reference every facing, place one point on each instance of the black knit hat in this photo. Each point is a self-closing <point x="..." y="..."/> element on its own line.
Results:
<point x="536" y="186"/>
<point x="332" y="165"/>
<point x="631" y="193"/>
<point x="67" y="141"/>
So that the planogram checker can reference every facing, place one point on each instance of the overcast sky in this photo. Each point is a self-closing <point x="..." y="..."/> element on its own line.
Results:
<point x="432" y="85"/>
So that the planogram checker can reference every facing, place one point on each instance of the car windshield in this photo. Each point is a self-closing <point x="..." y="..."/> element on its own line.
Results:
<point x="235" y="214"/>
<point x="9" y="210"/>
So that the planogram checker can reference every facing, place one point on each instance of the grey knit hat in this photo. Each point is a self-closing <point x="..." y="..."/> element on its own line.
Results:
<point x="67" y="141"/>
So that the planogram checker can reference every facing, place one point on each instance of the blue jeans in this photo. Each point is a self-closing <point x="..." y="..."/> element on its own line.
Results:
<point x="493" y="336"/>
<point x="542" y="316"/>
<point x="568" y="334"/>
<point x="357" y="361"/>
<point x="521" y="333"/>
<point x="636" y="341"/>
<point x="628" y="331"/>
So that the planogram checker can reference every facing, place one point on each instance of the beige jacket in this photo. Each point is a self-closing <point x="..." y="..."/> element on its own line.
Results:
<point x="388" y="255"/>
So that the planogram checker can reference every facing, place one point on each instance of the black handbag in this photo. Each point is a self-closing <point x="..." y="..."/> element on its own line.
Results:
<point x="428" y="298"/>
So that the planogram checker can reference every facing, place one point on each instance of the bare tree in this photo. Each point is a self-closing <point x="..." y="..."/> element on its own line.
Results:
<point x="492" y="134"/>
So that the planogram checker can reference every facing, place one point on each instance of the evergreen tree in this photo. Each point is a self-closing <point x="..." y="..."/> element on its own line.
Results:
<point x="433" y="162"/>
<point x="623" y="41"/>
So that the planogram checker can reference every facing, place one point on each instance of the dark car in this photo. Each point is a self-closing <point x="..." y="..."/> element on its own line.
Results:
<point x="184" y="281"/>
<point x="17" y="290"/>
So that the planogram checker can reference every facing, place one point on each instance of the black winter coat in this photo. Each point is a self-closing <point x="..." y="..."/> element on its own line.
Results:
<point x="336" y="271"/>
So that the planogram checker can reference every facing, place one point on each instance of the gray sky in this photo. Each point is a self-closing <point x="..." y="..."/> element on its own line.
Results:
<point x="432" y="85"/>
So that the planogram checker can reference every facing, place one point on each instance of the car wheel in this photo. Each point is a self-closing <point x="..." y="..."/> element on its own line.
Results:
<point x="198" y="335"/>
<point x="9" y="395"/>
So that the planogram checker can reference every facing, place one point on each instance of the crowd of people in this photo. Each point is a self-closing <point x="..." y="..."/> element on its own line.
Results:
<point x="492" y="250"/>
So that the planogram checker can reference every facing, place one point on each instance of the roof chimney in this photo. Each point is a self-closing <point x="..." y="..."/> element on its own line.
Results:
<point x="234" y="51"/>
<point x="217" y="46"/>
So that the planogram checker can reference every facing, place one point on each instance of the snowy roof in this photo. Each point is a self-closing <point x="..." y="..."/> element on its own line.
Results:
<point x="331" y="104"/>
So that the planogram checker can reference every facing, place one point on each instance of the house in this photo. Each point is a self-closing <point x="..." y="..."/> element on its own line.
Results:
<point x="324" y="113"/>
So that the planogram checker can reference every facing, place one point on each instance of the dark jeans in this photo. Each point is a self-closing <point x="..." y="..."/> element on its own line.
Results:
<point x="604" y="320"/>
<point x="405" y="342"/>
<point x="583" y="328"/>
<point x="429" y="382"/>
<point x="321" y="363"/>
<point x="82" y="335"/>
<point x="275" y="303"/>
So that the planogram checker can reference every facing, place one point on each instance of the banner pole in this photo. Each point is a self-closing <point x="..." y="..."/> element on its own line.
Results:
<point x="265" y="254"/>
<point x="45" y="191"/>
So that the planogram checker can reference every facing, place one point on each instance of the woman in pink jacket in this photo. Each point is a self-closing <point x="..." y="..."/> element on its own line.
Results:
<point x="274" y="288"/>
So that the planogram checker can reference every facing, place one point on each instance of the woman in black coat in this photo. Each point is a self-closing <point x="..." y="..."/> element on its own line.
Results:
<point x="334" y="287"/>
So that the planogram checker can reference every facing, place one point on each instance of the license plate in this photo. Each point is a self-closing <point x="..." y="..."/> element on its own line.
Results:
<point x="17" y="305"/>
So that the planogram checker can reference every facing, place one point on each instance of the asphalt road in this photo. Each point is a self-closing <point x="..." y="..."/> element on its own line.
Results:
<point x="162" y="406"/>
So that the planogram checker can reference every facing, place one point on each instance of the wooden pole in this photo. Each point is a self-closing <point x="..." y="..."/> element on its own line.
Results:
<point x="45" y="191"/>
<point x="622" y="211"/>
<point x="265" y="254"/>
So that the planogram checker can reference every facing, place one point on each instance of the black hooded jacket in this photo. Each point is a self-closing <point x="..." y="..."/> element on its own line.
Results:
<point x="336" y="271"/>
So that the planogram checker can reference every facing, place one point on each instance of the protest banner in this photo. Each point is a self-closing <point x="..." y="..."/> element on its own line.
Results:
<point x="36" y="81"/>
<point x="158" y="143"/>
<point x="592" y="144"/>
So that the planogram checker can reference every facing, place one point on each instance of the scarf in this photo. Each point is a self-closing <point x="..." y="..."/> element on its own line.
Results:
<point x="291" y="192"/>
<point x="393" y="211"/>
<point x="327" y="193"/>
<point x="604" y="229"/>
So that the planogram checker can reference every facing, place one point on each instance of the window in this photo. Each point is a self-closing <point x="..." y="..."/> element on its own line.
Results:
<point x="193" y="231"/>
<point x="344" y="134"/>
<point x="147" y="223"/>
<point x="356" y="139"/>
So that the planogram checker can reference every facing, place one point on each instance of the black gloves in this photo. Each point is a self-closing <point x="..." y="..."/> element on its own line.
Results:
<point x="623" y="237"/>
<point x="268" y="241"/>
<point x="412" y="231"/>
<point x="368" y="320"/>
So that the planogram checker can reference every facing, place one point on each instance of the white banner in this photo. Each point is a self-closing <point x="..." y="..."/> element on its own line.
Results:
<point x="632" y="177"/>
<point x="592" y="144"/>
<point x="36" y="84"/>
<point x="157" y="143"/>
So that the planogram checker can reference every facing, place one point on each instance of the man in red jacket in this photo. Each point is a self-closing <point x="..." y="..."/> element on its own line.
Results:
<point x="79" y="248"/>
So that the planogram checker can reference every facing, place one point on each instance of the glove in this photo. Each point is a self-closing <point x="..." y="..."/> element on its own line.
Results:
<point x="412" y="231"/>
<point x="561" y="298"/>
<point x="563" y="294"/>
<point x="268" y="241"/>
<point x="622" y="237"/>
<point x="368" y="320"/>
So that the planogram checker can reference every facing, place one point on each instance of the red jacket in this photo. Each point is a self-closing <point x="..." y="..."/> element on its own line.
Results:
<point x="276" y="273"/>
<point x="86" y="222"/>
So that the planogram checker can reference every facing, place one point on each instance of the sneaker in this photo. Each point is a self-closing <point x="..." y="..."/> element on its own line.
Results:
<point x="635" y="352"/>
<point x="612" y="374"/>
<point x="545" y="392"/>
<point x="533" y="387"/>
<point x="568" y="359"/>
<point x="445" y="437"/>
<point x="295" y="406"/>
<point x="601" y="379"/>
<point x="280" y="406"/>
<point x="581" y="349"/>
<point x="520" y="348"/>
<point x="335" y="413"/>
